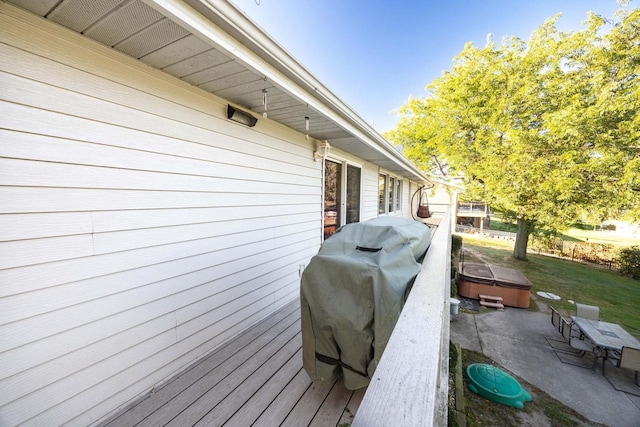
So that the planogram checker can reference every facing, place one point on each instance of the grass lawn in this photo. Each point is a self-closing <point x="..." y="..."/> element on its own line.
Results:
<point x="606" y="237"/>
<point x="577" y="234"/>
<point x="618" y="297"/>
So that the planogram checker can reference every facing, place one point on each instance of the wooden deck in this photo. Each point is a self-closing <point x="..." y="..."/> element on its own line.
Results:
<point x="256" y="379"/>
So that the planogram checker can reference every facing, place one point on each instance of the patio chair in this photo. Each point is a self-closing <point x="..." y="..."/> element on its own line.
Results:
<point x="555" y="318"/>
<point x="588" y="311"/>
<point x="579" y="343"/>
<point x="629" y="359"/>
<point x="555" y="321"/>
<point x="579" y="346"/>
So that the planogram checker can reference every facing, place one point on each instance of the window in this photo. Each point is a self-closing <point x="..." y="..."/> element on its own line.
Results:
<point x="389" y="194"/>
<point x="382" y="193"/>
<point x="391" y="198"/>
<point x="398" y="194"/>
<point x="353" y="194"/>
<point x="332" y="196"/>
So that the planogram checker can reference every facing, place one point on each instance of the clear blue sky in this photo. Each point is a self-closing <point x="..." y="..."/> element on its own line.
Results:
<point x="375" y="54"/>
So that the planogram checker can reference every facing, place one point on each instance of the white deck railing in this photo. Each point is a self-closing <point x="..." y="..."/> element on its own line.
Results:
<point x="410" y="385"/>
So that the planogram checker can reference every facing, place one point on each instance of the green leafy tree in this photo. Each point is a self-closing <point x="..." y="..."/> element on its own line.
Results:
<point x="545" y="129"/>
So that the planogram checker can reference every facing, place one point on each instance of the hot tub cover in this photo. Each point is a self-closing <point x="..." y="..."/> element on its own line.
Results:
<point x="352" y="293"/>
<point x="493" y="275"/>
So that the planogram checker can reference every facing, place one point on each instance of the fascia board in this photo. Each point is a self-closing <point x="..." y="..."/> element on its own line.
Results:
<point x="306" y="88"/>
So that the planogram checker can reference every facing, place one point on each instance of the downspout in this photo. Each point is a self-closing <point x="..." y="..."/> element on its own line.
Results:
<point x="322" y="185"/>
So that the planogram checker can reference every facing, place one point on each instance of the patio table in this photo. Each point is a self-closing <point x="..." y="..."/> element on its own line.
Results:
<point x="607" y="337"/>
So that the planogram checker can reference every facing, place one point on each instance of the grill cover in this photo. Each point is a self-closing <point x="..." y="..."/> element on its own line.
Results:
<point x="352" y="293"/>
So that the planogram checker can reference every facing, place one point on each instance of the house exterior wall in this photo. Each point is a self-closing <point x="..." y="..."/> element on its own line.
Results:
<point x="409" y="204"/>
<point x="139" y="228"/>
<point x="442" y="197"/>
<point x="370" y="191"/>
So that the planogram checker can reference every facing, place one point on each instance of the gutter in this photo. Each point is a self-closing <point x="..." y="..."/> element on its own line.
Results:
<point x="221" y="23"/>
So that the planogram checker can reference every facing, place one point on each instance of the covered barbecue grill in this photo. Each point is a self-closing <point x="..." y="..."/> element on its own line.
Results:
<point x="352" y="293"/>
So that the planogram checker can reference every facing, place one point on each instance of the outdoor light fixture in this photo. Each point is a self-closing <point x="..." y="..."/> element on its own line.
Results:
<point x="306" y="127"/>
<point x="322" y="151"/>
<point x="241" y="116"/>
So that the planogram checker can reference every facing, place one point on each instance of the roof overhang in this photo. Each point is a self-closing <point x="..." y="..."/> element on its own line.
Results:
<point x="214" y="46"/>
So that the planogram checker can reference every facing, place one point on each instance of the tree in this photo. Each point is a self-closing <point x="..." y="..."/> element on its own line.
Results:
<point x="543" y="129"/>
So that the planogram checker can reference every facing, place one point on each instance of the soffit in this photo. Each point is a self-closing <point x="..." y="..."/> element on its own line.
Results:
<point x="144" y="32"/>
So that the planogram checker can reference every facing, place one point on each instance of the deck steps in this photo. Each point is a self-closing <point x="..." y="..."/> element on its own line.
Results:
<point x="491" y="301"/>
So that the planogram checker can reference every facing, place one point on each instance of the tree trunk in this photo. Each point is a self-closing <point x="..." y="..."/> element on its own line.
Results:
<point x="525" y="227"/>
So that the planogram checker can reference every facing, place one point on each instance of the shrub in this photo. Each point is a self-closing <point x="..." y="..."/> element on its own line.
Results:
<point x="456" y="245"/>
<point x="546" y="242"/>
<point x="629" y="260"/>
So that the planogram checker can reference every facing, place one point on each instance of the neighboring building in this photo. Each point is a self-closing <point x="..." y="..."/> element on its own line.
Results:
<point x="473" y="214"/>
<point x="623" y="228"/>
<point x="141" y="226"/>
<point x="450" y="195"/>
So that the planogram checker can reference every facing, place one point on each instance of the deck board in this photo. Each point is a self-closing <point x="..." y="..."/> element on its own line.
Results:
<point x="219" y="414"/>
<point x="212" y="390"/>
<point x="256" y="379"/>
<point x="333" y="406"/>
<point x="352" y="407"/>
<point x="305" y="409"/>
<point x="239" y="349"/>
<point x="286" y="400"/>
<point x="256" y="405"/>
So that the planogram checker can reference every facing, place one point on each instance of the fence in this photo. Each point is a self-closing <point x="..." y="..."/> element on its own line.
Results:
<point x="592" y="253"/>
<point x="496" y="234"/>
<point x="587" y="252"/>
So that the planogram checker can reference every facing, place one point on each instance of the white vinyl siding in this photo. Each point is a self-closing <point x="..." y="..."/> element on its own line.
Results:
<point x="139" y="228"/>
<point x="408" y="189"/>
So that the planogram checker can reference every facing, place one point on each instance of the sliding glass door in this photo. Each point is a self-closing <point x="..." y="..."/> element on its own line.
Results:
<point x="342" y="184"/>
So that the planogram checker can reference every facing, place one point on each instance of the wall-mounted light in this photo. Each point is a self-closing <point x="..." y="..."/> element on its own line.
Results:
<point x="322" y="150"/>
<point x="241" y="116"/>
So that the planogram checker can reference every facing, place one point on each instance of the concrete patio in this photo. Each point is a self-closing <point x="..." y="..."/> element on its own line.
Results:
<point x="516" y="339"/>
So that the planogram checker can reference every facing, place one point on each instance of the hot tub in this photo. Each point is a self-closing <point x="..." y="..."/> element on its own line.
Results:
<point x="487" y="279"/>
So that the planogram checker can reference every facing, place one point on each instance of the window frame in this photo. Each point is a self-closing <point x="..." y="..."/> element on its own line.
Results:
<point x="383" y="179"/>
<point x="398" y="195"/>
<point x="392" y="190"/>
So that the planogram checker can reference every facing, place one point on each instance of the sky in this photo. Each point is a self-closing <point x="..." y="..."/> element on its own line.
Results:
<point x="376" y="54"/>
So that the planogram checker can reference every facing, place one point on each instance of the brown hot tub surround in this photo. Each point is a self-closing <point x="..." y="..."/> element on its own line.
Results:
<point x="488" y="279"/>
